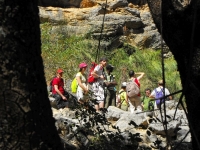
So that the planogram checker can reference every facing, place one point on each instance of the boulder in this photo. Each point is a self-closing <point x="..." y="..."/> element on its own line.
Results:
<point x="121" y="20"/>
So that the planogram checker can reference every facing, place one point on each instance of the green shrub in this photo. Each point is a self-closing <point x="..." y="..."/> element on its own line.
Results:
<point x="64" y="51"/>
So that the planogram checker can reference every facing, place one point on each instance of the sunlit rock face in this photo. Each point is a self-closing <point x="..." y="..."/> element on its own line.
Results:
<point x="123" y="21"/>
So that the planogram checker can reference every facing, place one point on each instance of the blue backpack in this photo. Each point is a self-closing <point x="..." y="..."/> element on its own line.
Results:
<point x="159" y="94"/>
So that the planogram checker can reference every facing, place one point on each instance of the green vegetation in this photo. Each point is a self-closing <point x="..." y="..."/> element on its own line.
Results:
<point x="59" y="50"/>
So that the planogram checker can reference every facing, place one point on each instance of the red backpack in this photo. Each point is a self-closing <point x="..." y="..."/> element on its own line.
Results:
<point x="91" y="78"/>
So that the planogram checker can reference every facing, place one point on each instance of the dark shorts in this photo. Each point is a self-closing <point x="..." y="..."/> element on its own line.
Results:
<point x="60" y="102"/>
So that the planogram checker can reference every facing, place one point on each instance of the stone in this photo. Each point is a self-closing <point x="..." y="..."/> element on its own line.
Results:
<point x="121" y="19"/>
<point x="127" y="122"/>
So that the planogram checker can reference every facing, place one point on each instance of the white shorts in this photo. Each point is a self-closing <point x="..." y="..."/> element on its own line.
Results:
<point x="98" y="91"/>
<point x="81" y="96"/>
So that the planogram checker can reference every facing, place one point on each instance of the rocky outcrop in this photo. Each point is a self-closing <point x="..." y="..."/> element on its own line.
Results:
<point x="123" y="22"/>
<point x="148" y="124"/>
<point x="60" y="3"/>
<point x="79" y="3"/>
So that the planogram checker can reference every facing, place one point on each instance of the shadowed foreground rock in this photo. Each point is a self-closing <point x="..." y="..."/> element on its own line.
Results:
<point x="148" y="124"/>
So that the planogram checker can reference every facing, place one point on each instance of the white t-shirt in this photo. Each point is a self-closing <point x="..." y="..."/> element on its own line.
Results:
<point x="99" y="71"/>
<point x="159" y="89"/>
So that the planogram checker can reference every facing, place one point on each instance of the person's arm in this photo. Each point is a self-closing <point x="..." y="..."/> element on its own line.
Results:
<point x="110" y="83"/>
<point x="96" y="75"/>
<point x="151" y="96"/>
<point x="168" y="93"/>
<point x="57" y="91"/>
<point x="113" y="83"/>
<point x="141" y="74"/>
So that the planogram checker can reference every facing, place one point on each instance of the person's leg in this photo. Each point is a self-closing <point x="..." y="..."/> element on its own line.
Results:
<point x="123" y="107"/>
<point x="57" y="100"/>
<point x="101" y="104"/>
<point x="98" y="93"/>
<point x="113" y="98"/>
<point x="132" y="107"/>
<point x="107" y="100"/>
<point x="155" y="105"/>
<point x="94" y="90"/>
<point x="138" y="105"/>
<point x="126" y="107"/>
<point x="132" y="104"/>
<point x="79" y="95"/>
<point x="60" y="102"/>
<point x="65" y="104"/>
<point x="97" y="107"/>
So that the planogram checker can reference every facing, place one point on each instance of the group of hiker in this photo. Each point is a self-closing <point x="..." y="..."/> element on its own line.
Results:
<point x="102" y="83"/>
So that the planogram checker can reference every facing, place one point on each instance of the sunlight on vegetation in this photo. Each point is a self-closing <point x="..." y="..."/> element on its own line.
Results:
<point x="60" y="50"/>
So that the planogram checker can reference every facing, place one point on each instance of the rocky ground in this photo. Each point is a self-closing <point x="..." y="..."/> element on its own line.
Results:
<point x="148" y="124"/>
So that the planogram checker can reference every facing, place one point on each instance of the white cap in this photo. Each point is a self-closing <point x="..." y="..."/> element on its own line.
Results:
<point x="124" y="84"/>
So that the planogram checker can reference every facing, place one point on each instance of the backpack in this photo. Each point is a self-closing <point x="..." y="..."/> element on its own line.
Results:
<point x="118" y="100"/>
<point x="132" y="89"/>
<point x="50" y="85"/>
<point x="159" y="94"/>
<point x="91" y="78"/>
<point x="151" y="105"/>
<point x="74" y="85"/>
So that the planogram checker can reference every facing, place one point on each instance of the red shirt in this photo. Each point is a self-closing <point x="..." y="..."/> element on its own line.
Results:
<point x="60" y="83"/>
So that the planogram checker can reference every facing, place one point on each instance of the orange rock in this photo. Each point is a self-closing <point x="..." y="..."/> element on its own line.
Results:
<point x="87" y="3"/>
<point x="130" y="5"/>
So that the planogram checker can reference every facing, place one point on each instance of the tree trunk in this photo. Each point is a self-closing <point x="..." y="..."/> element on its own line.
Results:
<point x="179" y="25"/>
<point x="26" y="120"/>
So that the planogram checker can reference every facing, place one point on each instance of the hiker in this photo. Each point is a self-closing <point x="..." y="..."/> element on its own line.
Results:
<point x="58" y="91"/>
<point x="147" y="104"/>
<point x="135" y="102"/>
<point x="157" y="91"/>
<point x="123" y="99"/>
<point x="110" y="89"/>
<point x="82" y="89"/>
<point x="97" y="86"/>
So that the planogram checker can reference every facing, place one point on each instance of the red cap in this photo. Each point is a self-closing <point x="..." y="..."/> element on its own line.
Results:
<point x="82" y="65"/>
<point x="59" y="71"/>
